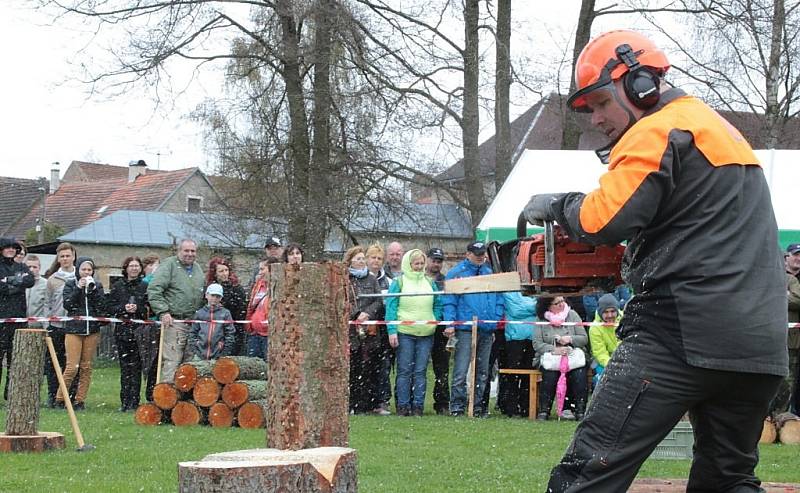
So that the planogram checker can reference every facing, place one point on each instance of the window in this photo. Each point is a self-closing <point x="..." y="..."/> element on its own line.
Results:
<point x="194" y="204"/>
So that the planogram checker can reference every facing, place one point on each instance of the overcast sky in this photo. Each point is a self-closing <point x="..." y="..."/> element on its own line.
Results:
<point x="48" y="116"/>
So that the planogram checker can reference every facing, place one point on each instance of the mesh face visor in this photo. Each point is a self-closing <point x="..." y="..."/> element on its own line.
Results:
<point x="578" y="99"/>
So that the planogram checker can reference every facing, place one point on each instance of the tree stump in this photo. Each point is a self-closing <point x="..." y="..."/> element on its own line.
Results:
<point x="237" y="393"/>
<point x="307" y="389"/>
<point x="25" y="376"/>
<point x="251" y="414"/>
<point x="325" y="469"/>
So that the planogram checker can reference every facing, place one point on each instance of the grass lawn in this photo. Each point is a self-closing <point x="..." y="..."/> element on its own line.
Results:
<point x="428" y="454"/>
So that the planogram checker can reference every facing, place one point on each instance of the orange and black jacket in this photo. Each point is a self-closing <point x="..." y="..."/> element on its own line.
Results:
<point x="686" y="191"/>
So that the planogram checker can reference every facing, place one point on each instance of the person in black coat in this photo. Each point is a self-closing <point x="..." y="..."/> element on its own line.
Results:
<point x="128" y="300"/>
<point x="15" y="278"/>
<point x="365" y="341"/>
<point x="83" y="296"/>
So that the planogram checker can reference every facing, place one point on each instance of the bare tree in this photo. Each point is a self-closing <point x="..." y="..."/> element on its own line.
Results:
<point x="502" y="81"/>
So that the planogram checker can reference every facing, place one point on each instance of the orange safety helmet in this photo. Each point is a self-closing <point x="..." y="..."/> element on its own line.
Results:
<point x="612" y="55"/>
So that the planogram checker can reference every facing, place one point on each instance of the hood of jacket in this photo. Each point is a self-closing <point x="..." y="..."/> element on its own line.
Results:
<point x="405" y="265"/>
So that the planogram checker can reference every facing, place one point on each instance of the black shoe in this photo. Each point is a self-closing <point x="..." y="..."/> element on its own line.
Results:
<point x="403" y="411"/>
<point x="542" y="417"/>
<point x="579" y="416"/>
<point x="457" y="414"/>
<point x="51" y="402"/>
<point x="78" y="406"/>
<point x="59" y="405"/>
<point x="417" y="411"/>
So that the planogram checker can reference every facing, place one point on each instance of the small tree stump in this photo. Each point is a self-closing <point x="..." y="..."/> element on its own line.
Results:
<point x="309" y="365"/>
<point x="165" y="395"/>
<point x="251" y="414"/>
<point x="39" y="442"/>
<point x="237" y="393"/>
<point x="185" y="413"/>
<point x="326" y="469"/>
<point x="220" y="415"/>
<point x="148" y="414"/>
<point x="206" y="391"/>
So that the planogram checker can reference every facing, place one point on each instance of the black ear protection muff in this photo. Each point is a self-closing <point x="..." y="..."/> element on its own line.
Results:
<point x="640" y="83"/>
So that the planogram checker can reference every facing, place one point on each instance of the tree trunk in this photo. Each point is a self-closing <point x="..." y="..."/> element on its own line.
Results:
<point x="206" y="391"/>
<point x="470" y="125"/>
<point x="220" y="415"/>
<point x="232" y="368"/>
<point x="307" y="388"/>
<point x="502" y="89"/>
<point x="185" y="413"/>
<point x="773" y="77"/>
<point x="571" y="132"/>
<point x="27" y="364"/>
<point x="252" y="414"/>
<point x="165" y="395"/>
<point x="237" y="393"/>
<point x="328" y="470"/>
<point x="148" y="415"/>
<point x="186" y="375"/>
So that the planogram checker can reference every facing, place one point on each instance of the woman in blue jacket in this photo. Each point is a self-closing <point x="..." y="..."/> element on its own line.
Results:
<point x="513" y="394"/>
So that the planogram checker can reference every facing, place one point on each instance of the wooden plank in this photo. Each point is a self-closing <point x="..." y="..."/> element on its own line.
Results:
<point x="492" y="283"/>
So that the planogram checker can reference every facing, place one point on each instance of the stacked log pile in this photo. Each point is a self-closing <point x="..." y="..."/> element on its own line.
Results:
<point x="226" y="392"/>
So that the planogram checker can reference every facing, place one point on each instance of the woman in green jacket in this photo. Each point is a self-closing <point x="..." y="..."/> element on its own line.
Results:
<point x="413" y="342"/>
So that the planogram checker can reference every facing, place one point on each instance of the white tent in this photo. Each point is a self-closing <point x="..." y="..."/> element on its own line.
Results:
<point x="579" y="171"/>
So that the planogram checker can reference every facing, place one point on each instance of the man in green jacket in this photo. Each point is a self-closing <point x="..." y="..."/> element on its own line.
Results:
<point x="175" y="293"/>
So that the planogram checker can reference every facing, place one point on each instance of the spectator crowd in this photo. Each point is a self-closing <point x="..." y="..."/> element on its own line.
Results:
<point x="386" y="285"/>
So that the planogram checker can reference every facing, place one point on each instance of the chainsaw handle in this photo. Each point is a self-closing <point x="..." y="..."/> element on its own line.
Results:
<point x="522" y="226"/>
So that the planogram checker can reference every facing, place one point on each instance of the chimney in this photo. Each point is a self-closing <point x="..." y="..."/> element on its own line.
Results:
<point x="136" y="168"/>
<point x="55" y="181"/>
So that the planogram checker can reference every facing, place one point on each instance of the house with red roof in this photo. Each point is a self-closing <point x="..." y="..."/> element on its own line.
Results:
<point x="90" y="191"/>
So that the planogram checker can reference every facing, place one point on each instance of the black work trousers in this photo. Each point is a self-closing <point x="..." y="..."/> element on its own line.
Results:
<point x="644" y="392"/>
<point x="441" y="371"/>
<point x="6" y="348"/>
<point x="130" y="366"/>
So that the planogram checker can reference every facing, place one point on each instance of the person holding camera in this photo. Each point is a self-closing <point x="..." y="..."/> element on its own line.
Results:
<point x="14" y="279"/>
<point x="84" y="297"/>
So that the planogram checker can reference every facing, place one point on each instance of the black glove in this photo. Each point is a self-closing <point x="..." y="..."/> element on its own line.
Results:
<point x="540" y="208"/>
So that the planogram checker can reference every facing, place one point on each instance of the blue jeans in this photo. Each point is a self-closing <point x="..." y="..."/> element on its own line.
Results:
<point x="413" y="353"/>
<point x="458" y="389"/>
<point x="257" y="346"/>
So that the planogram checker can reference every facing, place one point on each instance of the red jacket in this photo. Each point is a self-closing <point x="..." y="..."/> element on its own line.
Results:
<point x="258" y="309"/>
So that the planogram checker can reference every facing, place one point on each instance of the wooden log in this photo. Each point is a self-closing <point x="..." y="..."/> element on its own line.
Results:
<point x="768" y="432"/>
<point x="39" y="442"/>
<point x="237" y="393"/>
<point x="232" y="368"/>
<point x="309" y="357"/>
<point x="220" y="415"/>
<point x="148" y="414"/>
<point x="251" y="415"/>
<point x="187" y="374"/>
<point x="492" y="283"/>
<point x="165" y="395"/>
<point x="25" y="379"/>
<point x="326" y="469"/>
<point x="185" y="413"/>
<point x="788" y="426"/>
<point x="206" y="391"/>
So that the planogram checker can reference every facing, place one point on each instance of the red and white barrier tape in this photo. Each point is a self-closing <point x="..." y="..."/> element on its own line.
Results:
<point x="22" y="320"/>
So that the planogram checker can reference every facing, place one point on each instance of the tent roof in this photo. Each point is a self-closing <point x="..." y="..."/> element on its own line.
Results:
<point x="546" y="171"/>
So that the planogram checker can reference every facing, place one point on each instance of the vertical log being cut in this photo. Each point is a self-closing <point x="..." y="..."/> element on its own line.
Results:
<point x="307" y="389"/>
<point x="27" y="364"/>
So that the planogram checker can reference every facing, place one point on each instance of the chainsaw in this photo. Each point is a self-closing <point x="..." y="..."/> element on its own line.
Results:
<point x="550" y="264"/>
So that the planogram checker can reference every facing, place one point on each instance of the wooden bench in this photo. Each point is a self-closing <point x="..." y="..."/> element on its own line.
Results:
<point x="535" y="376"/>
